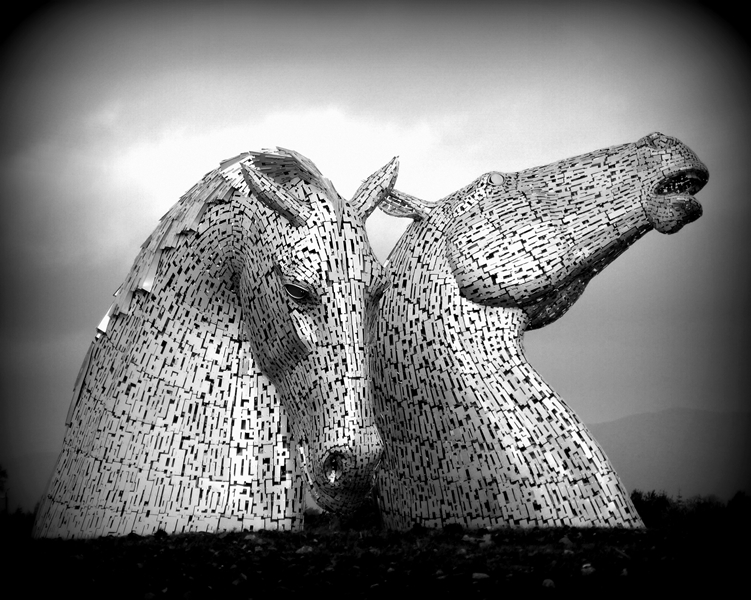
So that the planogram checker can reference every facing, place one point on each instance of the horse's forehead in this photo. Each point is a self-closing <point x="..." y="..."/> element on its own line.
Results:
<point x="671" y="153"/>
<point x="337" y="252"/>
<point x="552" y="179"/>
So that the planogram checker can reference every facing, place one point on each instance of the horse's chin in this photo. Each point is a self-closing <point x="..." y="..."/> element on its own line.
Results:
<point x="669" y="215"/>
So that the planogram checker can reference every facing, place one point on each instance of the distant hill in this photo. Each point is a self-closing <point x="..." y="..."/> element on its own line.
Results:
<point x="691" y="452"/>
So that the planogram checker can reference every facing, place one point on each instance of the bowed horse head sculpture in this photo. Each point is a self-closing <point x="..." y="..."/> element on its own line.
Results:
<point x="314" y="346"/>
<point x="495" y="445"/>
<point x="233" y="364"/>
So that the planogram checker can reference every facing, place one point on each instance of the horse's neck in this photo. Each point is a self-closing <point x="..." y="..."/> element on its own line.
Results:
<point x="172" y="425"/>
<point x="472" y="337"/>
<point x="192" y="344"/>
<point x="476" y="349"/>
<point x="186" y="333"/>
<point x="483" y="346"/>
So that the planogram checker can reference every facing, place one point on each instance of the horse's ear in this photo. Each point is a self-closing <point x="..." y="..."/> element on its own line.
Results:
<point x="655" y="140"/>
<point x="228" y="162"/>
<point x="276" y="197"/>
<point x="284" y="164"/>
<point x="375" y="189"/>
<point x="399" y="204"/>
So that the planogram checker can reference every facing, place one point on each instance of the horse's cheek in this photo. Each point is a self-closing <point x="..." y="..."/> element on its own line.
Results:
<point x="276" y="339"/>
<point x="482" y="275"/>
<point x="306" y="329"/>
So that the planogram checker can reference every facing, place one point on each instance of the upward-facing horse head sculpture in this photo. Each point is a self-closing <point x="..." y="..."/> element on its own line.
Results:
<point x="232" y="364"/>
<point x="471" y="432"/>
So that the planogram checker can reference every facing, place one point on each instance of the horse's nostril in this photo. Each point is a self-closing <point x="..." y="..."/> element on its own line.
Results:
<point x="333" y="466"/>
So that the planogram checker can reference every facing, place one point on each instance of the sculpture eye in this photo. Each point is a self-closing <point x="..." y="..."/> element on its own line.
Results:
<point x="297" y="293"/>
<point x="496" y="179"/>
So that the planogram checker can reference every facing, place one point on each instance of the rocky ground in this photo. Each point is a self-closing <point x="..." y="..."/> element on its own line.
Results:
<point x="356" y="562"/>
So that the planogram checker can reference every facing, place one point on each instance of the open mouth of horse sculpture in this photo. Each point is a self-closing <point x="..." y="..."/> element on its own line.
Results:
<point x="673" y="204"/>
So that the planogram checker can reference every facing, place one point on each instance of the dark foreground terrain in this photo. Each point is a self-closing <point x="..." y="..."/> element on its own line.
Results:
<point x="706" y="550"/>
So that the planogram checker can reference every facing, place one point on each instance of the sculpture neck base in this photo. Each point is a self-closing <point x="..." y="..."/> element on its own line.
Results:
<point x="500" y="449"/>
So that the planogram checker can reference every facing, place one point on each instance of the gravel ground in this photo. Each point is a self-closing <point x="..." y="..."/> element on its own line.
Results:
<point x="343" y="562"/>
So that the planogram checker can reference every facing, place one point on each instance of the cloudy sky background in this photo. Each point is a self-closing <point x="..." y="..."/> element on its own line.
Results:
<point x="111" y="111"/>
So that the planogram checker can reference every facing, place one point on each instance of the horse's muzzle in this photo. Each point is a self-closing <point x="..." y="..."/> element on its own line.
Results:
<point x="343" y="478"/>
<point x="672" y="205"/>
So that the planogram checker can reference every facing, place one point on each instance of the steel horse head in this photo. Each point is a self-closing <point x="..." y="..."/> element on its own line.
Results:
<point x="233" y="364"/>
<point x="471" y="432"/>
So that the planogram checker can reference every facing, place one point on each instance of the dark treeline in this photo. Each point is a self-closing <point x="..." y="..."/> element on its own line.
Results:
<point x="660" y="511"/>
<point x="17" y="524"/>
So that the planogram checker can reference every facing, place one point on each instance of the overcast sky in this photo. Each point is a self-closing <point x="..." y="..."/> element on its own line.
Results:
<point x="110" y="112"/>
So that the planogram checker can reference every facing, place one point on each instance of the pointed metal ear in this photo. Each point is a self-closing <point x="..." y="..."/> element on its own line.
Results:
<point x="336" y="201"/>
<point x="655" y="140"/>
<point x="399" y="204"/>
<point x="375" y="189"/>
<point x="228" y="162"/>
<point x="276" y="197"/>
<point x="284" y="165"/>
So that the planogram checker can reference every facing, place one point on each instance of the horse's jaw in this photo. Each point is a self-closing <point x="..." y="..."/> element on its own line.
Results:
<point x="544" y="308"/>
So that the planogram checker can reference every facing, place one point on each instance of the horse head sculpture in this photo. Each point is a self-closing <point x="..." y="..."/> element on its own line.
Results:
<point x="472" y="434"/>
<point x="233" y="364"/>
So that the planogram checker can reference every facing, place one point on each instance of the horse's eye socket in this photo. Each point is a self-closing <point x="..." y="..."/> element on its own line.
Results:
<point x="296" y="292"/>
